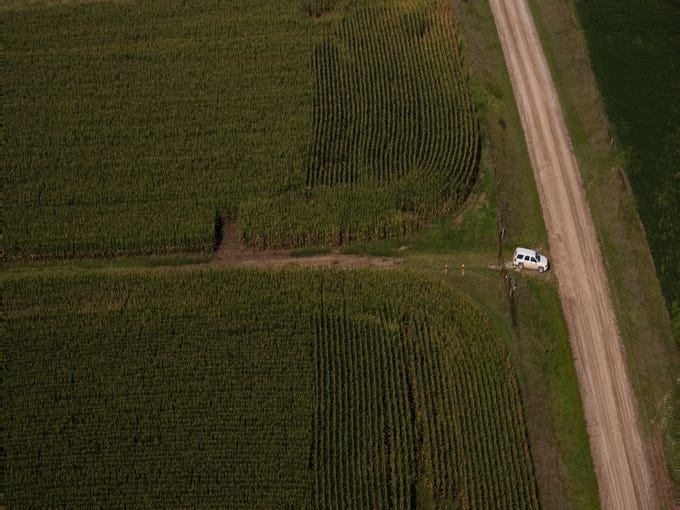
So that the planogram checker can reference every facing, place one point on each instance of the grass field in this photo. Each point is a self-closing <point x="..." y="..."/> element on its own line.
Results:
<point x="642" y="314"/>
<point x="636" y="44"/>
<point x="131" y="127"/>
<point x="265" y="389"/>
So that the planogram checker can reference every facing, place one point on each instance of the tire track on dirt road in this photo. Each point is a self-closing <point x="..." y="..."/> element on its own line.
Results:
<point x="621" y="465"/>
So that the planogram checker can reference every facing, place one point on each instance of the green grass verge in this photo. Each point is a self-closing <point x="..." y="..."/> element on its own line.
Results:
<point x="309" y="252"/>
<point x="539" y="343"/>
<point x="151" y="261"/>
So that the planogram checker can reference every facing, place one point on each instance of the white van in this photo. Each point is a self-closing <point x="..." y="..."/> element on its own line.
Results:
<point x="523" y="258"/>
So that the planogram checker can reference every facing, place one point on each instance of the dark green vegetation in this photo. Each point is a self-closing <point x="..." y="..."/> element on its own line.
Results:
<point x="147" y="123"/>
<point x="642" y="313"/>
<point x="264" y="389"/>
<point x="634" y="47"/>
<point x="129" y="125"/>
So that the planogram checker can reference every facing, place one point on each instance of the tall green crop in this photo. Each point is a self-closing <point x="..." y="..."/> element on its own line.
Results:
<point x="256" y="389"/>
<point x="128" y="125"/>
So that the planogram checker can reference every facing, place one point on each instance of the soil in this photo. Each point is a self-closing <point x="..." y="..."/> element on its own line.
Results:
<point x="231" y="252"/>
<point x="619" y="456"/>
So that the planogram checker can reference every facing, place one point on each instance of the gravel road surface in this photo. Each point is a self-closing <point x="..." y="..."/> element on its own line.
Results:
<point x="620" y="460"/>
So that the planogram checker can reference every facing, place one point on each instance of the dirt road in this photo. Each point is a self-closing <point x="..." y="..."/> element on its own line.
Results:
<point x="618" y="454"/>
<point x="232" y="253"/>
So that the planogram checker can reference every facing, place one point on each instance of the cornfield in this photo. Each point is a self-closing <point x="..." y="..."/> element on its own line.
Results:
<point x="256" y="389"/>
<point x="131" y="126"/>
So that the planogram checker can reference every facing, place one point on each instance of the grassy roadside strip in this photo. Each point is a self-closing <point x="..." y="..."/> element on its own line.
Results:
<point x="539" y="344"/>
<point x="74" y="264"/>
<point x="642" y="316"/>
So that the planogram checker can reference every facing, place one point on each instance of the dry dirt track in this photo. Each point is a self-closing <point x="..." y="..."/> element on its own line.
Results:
<point x="618" y="454"/>
<point x="232" y="253"/>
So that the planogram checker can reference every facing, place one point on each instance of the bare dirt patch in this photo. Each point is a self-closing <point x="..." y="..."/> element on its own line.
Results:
<point x="232" y="253"/>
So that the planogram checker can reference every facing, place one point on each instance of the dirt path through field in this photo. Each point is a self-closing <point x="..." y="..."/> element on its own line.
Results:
<point x="620" y="459"/>
<point x="232" y="253"/>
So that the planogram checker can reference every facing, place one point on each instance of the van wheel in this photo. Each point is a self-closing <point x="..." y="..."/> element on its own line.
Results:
<point x="541" y="269"/>
<point x="520" y="266"/>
